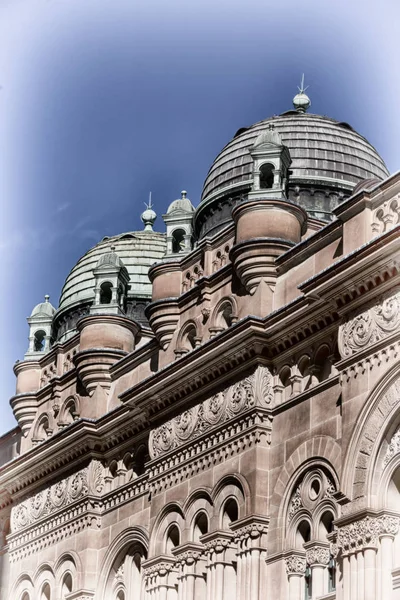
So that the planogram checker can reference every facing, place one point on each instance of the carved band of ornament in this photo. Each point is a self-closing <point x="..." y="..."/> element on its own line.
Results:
<point x="378" y="321"/>
<point x="61" y="494"/>
<point x="393" y="448"/>
<point x="255" y="390"/>
<point x="19" y="549"/>
<point x="161" y="569"/>
<point x="253" y="531"/>
<point x="189" y="557"/>
<point x="227" y="442"/>
<point x="318" y="556"/>
<point x="295" y="565"/>
<point x="382" y="356"/>
<point x="217" y="545"/>
<point x="366" y="532"/>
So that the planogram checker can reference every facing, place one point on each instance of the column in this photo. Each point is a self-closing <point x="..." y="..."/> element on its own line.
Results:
<point x="388" y="528"/>
<point x="159" y="574"/>
<point x="370" y="574"/>
<point x="317" y="557"/>
<point x="295" y="562"/>
<point x="251" y="539"/>
<point x="218" y="548"/>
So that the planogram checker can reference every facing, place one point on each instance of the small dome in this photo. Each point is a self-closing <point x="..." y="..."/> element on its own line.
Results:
<point x="110" y="259"/>
<point x="268" y="137"/>
<point x="44" y="309"/>
<point x="366" y="184"/>
<point x="183" y="204"/>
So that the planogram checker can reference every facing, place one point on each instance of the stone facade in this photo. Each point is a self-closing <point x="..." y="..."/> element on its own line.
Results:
<point x="243" y="442"/>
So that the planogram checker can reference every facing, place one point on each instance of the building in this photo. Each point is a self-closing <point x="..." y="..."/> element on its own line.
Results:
<point x="214" y="412"/>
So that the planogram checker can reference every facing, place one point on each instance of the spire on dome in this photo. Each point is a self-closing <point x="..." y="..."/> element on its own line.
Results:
<point x="148" y="216"/>
<point x="301" y="101"/>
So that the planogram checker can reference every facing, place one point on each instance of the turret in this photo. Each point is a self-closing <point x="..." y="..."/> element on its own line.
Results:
<point x="40" y="323"/>
<point x="111" y="285"/>
<point x="179" y="222"/>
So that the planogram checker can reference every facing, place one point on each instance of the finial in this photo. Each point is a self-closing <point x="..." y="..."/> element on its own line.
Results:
<point x="183" y="194"/>
<point x="46" y="298"/>
<point x="301" y="101"/>
<point x="148" y="216"/>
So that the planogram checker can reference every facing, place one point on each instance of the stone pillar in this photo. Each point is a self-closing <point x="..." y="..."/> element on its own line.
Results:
<point x="250" y="536"/>
<point x="191" y="560"/>
<point x="295" y="562"/>
<point x="160" y="577"/>
<point x="317" y="557"/>
<point x="358" y="543"/>
<point x="221" y="576"/>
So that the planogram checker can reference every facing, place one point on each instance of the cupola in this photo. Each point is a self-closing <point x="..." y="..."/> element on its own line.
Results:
<point x="111" y="284"/>
<point x="40" y="323"/>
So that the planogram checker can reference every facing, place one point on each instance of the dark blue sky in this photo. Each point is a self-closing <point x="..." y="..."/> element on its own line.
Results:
<point x="102" y="101"/>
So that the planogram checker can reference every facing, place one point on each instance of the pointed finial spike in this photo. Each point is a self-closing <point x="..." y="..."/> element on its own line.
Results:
<point x="301" y="101"/>
<point x="183" y="194"/>
<point x="47" y="298"/>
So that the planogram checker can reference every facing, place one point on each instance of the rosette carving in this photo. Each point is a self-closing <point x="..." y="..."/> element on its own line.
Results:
<point x="375" y="323"/>
<point x="225" y="405"/>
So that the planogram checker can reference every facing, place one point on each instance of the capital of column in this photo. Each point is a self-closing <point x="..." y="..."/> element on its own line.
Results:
<point x="365" y="533"/>
<point x="216" y="542"/>
<point x="317" y="553"/>
<point x="159" y="565"/>
<point x="252" y="530"/>
<point x="189" y="553"/>
<point x="295" y="562"/>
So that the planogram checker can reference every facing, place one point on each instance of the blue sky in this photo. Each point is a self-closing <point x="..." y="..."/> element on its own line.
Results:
<point x="102" y="101"/>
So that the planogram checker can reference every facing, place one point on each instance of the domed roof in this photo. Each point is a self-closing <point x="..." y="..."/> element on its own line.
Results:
<point x="137" y="251"/>
<point x="322" y="150"/>
<point x="183" y="204"/>
<point x="110" y="259"/>
<point x="44" y="309"/>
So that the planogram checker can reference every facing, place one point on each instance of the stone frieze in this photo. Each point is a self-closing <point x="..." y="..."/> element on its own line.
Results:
<point x="89" y="480"/>
<point x="255" y="390"/>
<point x="376" y="322"/>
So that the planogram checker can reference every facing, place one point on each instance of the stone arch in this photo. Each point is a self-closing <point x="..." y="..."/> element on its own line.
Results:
<point x="169" y="515"/>
<point x="320" y="450"/>
<point x="224" y="313"/>
<point x="22" y="585"/>
<point x="187" y="336"/>
<point x="69" y="562"/>
<point x="43" y="427"/>
<point x="231" y="486"/>
<point x="380" y="411"/>
<point x="199" y="502"/>
<point x="43" y="577"/>
<point x="133" y="537"/>
<point x="70" y="410"/>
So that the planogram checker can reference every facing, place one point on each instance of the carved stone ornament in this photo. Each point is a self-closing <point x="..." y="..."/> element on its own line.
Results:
<point x="393" y="448"/>
<point x="295" y="565"/>
<point x="59" y="495"/>
<point x="377" y="322"/>
<point x="301" y="498"/>
<point x="366" y="532"/>
<point x="386" y="216"/>
<point x="255" y="390"/>
<point x="319" y="555"/>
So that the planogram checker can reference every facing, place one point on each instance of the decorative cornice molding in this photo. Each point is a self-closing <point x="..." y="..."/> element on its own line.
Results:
<point x="255" y="390"/>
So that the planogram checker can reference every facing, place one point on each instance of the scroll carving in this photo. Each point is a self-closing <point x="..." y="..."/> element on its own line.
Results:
<point x="375" y="323"/>
<point x="295" y="565"/>
<point x="59" y="495"/>
<point x="386" y="216"/>
<point x="223" y="406"/>
<point x="319" y="555"/>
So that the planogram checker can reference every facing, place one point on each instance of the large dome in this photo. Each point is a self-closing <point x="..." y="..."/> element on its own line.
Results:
<point x="138" y="250"/>
<point x="328" y="159"/>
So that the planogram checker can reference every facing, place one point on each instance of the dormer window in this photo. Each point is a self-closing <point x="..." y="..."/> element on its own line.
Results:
<point x="105" y="293"/>
<point x="266" y="176"/>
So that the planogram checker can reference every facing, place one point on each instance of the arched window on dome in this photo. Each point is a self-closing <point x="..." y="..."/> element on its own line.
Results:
<point x="178" y="241"/>
<point x="106" y="293"/>
<point x="266" y="176"/>
<point x="39" y="341"/>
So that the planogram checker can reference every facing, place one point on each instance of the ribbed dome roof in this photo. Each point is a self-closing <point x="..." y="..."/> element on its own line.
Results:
<point x="137" y="251"/>
<point x="322" y="150"/>
<point x="44" y="309"/>
<point x="182" y="204"/>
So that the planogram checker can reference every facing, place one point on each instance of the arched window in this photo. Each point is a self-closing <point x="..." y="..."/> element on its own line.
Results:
<point x="121" y="595"/>
<point x="25" y="596"/>
<point x="266" y="176"/>
<point x="106" y="293"/>
<point x="178" y="241"/>
<point x="46" y="592"/>
<point x="39" y="341"/>
<point x="66" y="587"/>
<point x="303" y="534"/>
<point x="200" y="526"/>
<point x="173" y="538"/>
<point x="230" y="513"/>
